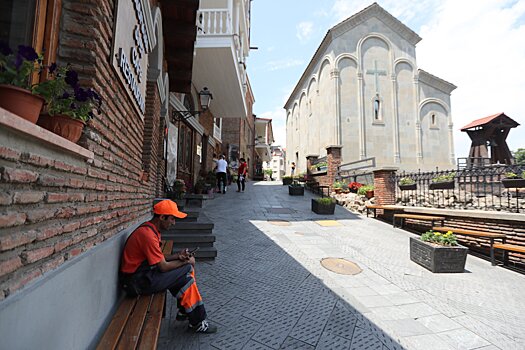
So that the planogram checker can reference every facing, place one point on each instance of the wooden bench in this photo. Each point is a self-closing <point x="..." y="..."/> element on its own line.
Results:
<point x="506" y="249"/>
<point x="430" y="218"/>
<point x="480" y="234"/>
<point x="136" y="324"/>
<point x="374" y="207"/>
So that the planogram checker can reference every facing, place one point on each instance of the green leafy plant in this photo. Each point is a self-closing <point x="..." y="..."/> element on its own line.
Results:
<point x="179" y="188"/>
<point x="513" y="175"/>
<point x="444" y="177"/>
<point x="325" y="200"/>
<point x="364" y="189"/>
<point x="406" y="181"/>
<point x="17" y="68"/>
<point x="447" y="239"/>
<point x="211" y="178"/>
<point x="287" y="177"/>
<point x="338" y="184"/>
<point x="321" y="164"/>
<point x="64" y="96"/>
<point x="295" y="184"/>
<point x="268" y="172"/>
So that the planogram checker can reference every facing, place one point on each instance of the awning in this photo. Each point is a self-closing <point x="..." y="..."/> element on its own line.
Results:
<point x="180" y="31"/>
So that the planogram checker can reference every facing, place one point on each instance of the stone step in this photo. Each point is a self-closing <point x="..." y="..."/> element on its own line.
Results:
<point x="193" y="215"/>
<point x="206" y="253"/>
<point x="187" y="238"/>
<point x="192" y="225"/>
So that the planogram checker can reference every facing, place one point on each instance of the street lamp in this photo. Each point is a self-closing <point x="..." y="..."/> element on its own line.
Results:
<point x="205" y="98"/>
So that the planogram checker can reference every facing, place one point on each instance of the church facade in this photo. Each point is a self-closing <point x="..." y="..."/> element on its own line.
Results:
<point x="363" y="90"/>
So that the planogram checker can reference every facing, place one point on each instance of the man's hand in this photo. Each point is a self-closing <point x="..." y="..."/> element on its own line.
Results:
<point x="184" y="254"/>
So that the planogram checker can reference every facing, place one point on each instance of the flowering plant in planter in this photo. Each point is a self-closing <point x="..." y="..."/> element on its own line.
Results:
<point x="17" y="68"/>
<point x="444" y="178"/>
<point x="406" y="181"/>
<point x="354" y="186"/>
<point x="448" y="238"/>
<point x="64" y="95"/>
<point x="366" y="190"/>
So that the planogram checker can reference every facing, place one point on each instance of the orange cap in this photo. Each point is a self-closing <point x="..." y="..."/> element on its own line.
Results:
<point x="168" y="207"/>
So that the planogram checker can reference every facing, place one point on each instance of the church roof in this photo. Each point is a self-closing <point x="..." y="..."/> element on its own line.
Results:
<point x="436" y="82"/>
<point x="486" y="120"/>
<point x="373" y="10"/>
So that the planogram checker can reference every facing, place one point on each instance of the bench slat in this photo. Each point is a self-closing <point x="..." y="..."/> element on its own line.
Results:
<point x="112" y="335"/>
<point x="130" y="337"/>
<point x="510" y="247"/>
<point x="419" y="217"/>
<point x="151" y="330"/>
<point x="469" y="232"/>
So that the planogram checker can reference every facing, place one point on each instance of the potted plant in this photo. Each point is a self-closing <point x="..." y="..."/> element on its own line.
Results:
<point x="16" y="92"/>
<point x="324" y="205"/>
<point x="406" y="183"/>
<point x="512" y="180"/>
<point x="268" y="173"/>
<point x="287" y="180"/>
<point x="443" y="182"/>
<point x="366" y="190"/>
<point x="295" y="189"/>
<point x="68" y="106"/>
<point x="199" y="186"/>
<point x="338" y="186"/>
<point x="438" y="252"/>
<point x="321" y="166"/>
<point x="354" y="186"/>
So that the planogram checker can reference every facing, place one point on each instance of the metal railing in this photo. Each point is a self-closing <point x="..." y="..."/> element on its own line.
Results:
<point x="356" y="171"/>
<point x="473" y="188"/>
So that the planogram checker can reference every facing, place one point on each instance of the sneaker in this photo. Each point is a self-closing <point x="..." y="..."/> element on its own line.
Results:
<point x="181" y="316"/>
<point x="204" y="327"/>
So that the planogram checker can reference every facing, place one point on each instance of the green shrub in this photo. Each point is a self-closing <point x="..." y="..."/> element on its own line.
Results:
<point x="338" y="184"/>
<point x="406" y="181"/>
<point x="325" y="200"/>
<point x="444" y="177"/>
<point x="439" y="238"/>
<point x="287" y="177"/>
<point x="364" y="189"/>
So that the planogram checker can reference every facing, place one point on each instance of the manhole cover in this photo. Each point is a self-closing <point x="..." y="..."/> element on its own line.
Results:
<point x="279" y="222"/>
<point x="341" y="266"/>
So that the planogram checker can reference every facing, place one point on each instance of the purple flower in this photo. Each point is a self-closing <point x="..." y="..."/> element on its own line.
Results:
<point x="18" y="61"/>
<point x="52" y="68"/>
<point x="81" y="95"/>
<point x="27" y="52"/>
<point x="71" y="78"/>
<point x="73" y="106"/>
<point x="65" y="95"/>
<point x="5" y="49"/>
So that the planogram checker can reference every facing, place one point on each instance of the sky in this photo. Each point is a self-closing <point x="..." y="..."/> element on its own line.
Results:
<point x="477" y="45"/>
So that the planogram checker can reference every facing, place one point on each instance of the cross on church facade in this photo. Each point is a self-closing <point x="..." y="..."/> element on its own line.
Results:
<point x="377" y="73"/>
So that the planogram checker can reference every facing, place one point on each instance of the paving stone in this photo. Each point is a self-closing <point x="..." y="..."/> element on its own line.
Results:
<point x="364" y="339"/>
<point x="330" y="341"/>
<point x="274" y="332"/>
<point x="294" y="344"/>
<point x="237" y="335"/>
<point x="463" y="339"/>
<point x="253" y="345"/>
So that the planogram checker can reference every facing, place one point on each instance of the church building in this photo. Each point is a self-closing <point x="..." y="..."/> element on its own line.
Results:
<point x="363" y="90"/>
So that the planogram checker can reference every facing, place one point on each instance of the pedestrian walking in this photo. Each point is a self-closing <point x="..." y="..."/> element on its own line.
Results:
<point x="222" y="166"/>
<point x="242" y="172"/>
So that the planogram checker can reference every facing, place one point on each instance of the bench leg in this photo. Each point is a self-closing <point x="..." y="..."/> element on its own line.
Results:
<point x="492" y="258"/>
<point x="394" y="221"/>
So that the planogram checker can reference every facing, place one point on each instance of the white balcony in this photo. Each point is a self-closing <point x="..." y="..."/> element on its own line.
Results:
<point x="220" y="50"/>
<point x="217" y="132"/>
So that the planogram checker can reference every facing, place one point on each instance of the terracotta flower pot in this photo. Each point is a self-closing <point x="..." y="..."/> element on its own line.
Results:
<point x="62" y="125"/>
<point x="21" y="102"/>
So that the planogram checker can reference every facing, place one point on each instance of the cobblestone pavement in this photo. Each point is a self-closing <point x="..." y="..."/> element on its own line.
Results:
<point x="268" y="290"/>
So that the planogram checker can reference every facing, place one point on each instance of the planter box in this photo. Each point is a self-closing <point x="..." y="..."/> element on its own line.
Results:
<point x="513" y="183"/>
<point x="323" y="209"/>
<point x="449" y="185"/>
<point x="408" y="187"/>
<point x="296" y="190"/>
<point x="437" y="258"/>
<point x="287" y="181"/>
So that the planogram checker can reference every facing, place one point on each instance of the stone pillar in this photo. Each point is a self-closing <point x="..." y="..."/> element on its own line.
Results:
<point x="384" y="188"/>
<point x="333" y="158"/>
<point x="309" y="161"/>
<point x="334" y="74"/>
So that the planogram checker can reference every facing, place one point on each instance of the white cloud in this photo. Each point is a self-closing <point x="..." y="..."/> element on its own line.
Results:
<point x="283" y="64"/>
<point x="304" y="31"/>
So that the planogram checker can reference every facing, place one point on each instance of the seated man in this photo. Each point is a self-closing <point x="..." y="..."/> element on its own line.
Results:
<point x="144" y="270"/>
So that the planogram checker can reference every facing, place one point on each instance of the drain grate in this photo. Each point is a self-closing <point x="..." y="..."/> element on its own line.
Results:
<point x="279" y="222"/>
<point x="341" y="266"/>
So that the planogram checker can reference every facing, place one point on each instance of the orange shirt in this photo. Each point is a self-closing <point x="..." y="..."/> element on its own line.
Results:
<point x="143" y="244"/>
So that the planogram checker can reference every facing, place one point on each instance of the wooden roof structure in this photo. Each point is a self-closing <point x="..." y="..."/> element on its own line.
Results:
<point x="491" y="131"/>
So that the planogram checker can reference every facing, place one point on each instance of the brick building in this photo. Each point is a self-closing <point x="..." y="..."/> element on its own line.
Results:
<point x="66" y="209"/>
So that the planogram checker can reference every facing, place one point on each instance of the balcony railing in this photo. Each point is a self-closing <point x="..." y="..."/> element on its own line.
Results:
<point x="215" y="22"/>
<point x="217" y="132"/>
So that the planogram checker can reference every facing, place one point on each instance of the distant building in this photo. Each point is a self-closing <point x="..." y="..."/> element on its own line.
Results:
<point x="277" y="163"/>
<point x="364" y="91"/>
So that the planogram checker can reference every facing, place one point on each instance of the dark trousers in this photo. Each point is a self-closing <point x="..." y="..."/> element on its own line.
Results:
<point x="175" y="281"/>
<point x="221" y="177"/>
<point x="240" y="183"/>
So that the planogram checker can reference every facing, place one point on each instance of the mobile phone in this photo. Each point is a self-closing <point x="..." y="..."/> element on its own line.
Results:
<point x="193" y="251"/>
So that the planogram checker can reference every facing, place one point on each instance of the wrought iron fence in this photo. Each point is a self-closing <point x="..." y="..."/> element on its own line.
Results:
<point x="472" y="188"/>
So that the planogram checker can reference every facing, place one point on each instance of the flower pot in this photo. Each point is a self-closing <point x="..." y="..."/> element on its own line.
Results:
<point x="62" y="125"/>
<point x="513" y="183"/>
<point x="408" y="187"/>
<point x="338" y="190"/>
<point x="287" y="181"/>
<point x="448" y="185"/>
<point x="369" y="194"/>
<point x="296" y="190"/>
<point x="21" y="102"/>
<point x="326" y="209"/>
<point x="438" y="258"/>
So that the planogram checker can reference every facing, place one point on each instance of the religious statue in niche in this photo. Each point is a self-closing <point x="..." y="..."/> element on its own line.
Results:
<point x="377" y="106"/>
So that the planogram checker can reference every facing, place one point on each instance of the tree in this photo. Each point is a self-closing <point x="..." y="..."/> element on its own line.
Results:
<point x="519" y="156"/>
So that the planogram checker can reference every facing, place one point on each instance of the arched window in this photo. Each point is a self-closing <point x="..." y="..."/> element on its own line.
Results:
<point x="377" y="105"/>
<point x="433" y="119"/>
<point x="377" y="110"/>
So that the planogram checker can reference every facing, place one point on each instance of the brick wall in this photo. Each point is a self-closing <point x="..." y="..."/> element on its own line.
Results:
<point x="384" y="189"/>
<point x="55" y="206"/>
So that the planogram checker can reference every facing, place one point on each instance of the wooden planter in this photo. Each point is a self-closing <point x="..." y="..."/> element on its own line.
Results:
<point x="369" y="194"/>
<point x="21" y="102"/>
<point x="62" y="125"/>
<point x="296" y="190"/>
<point x="438" y="258"/>
<point x="410" y="187"/>
<point x="449" y="185"/>
<point x="513" y="183"/>
<point x="287" y="181"/>
<point x="319" y="208"/>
